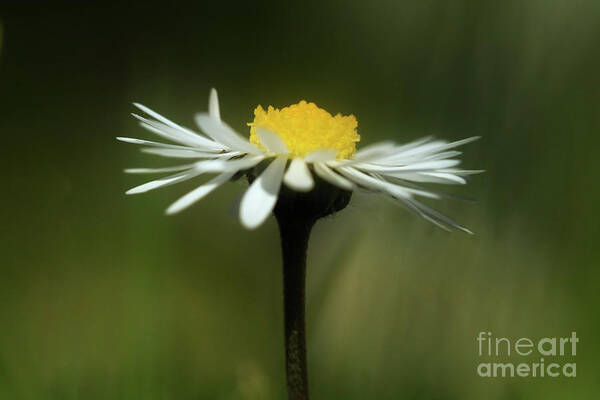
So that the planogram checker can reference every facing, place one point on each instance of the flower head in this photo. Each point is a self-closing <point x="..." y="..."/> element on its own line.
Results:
<point x="298" y="144"/>
<point x="305" y="128"/>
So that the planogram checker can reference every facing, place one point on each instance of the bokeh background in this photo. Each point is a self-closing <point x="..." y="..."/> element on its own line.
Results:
<point x="104" y="297"/>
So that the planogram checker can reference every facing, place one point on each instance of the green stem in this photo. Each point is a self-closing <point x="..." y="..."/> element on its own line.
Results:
<point x="295" y="233"/>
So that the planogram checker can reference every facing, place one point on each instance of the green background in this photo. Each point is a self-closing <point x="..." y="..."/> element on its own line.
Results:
<point x="104" y="297"/>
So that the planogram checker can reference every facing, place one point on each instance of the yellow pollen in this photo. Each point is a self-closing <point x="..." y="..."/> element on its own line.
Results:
<point x="304" y="128"/>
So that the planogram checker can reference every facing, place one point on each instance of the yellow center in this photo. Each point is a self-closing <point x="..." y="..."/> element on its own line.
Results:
<point x="304" y="128"/>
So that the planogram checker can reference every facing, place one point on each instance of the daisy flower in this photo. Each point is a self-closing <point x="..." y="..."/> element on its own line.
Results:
<point x="302" y="164"/>
<point x="297" y="146"/>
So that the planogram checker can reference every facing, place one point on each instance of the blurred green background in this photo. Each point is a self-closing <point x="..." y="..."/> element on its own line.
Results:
<point x="104" y="297"/>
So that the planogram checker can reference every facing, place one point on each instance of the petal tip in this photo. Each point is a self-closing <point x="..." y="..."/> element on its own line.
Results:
<point x="248" y="224"/>
<point x="171" y="210"/>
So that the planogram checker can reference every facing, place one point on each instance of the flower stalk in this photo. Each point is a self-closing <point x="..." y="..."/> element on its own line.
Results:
<point x="295" y="233"/>
<point x="296" y="215"/>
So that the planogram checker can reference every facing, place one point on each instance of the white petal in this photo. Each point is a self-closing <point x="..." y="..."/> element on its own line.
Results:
<point x="449" y="178"/>
<point x="426" y="150"/>
<point x="409" y="204"/>
<point x="430" y="193"/>
<point x="198" y="169"/>
<point x="320" y="156"/>
<point x="271" y="141"/>
<point x="363" y="179"/>
<point x="260" y="198"/>
<point x="442" y="156"/>
<point x="228" y="165"/>
<point x="222" y="133"/>
<point x="176" y="153"/>
<point x="437" y="146"/>
<point x="158" y="116"/>
<point x="169" y="180"/>
<point x="199" y="142"/>
<point x="380" y="152"/>
<point x="158" y="170"/>
<point x="436" y="217"/>
<point x="213" y="105"/>
<point x="198" y="193"/>
<point x="155" y="144"/>
<point x="463" y="172"/>
<point x="298" y="177"/>
<point x="327" y="174"/>
<point x="173" y="131"/>
<point x="414" y="144"/>
<point x="428" y="166"/>
<point x="432" y="177"/>
<point x="375" y="150"/>
<point x="378" y="184"/>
